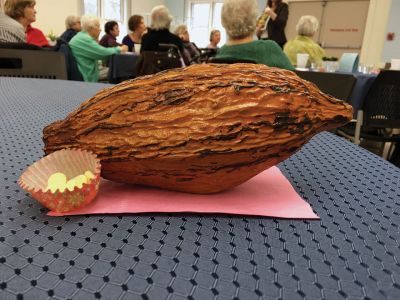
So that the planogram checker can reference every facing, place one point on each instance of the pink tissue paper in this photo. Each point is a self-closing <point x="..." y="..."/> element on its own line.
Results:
<point x="268" y="194"/>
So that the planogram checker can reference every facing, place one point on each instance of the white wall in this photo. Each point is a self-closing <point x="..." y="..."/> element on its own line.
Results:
<point x="177" y="9"/>
<point x="391" y="49"/>
<point x="144" y="6"/>
<point x="51" y="14"/>
<point x="374" y="35"/>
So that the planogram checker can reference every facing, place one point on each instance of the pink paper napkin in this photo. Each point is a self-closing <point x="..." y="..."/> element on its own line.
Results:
<point x="268" y="194"/>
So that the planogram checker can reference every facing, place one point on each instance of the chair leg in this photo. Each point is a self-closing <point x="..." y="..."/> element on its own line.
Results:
<point x="357" y="132"/>
<point x="386" y="150"/>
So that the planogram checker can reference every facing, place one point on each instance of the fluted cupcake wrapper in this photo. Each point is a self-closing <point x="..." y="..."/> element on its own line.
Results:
<point x="71" y="162"/>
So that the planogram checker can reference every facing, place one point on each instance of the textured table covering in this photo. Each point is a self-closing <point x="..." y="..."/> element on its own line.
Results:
<point x="351" y="253"/>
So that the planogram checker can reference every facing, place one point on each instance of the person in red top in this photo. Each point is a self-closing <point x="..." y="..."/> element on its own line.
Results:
<point x="24" y="12"/>
<point x="36" y="37"/>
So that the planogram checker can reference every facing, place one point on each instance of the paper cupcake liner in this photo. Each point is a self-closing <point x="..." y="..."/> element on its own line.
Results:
<point x="71" y="162"/>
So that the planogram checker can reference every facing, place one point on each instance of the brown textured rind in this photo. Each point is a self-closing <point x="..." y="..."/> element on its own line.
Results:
<point x="200" y="129"/>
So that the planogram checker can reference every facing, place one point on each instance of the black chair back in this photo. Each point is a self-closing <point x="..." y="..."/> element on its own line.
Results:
<point x="73" y="72"/>
<point x="206" y="54"/>
<point x="336" y="84"/>
<point x="152" y="62"/>
<point x="22" y="46"/>
<point x="382" y="104"/>
<point x="32" y="64"/>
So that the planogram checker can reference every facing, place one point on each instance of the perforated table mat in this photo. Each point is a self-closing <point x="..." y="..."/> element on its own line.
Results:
<point x="351" y="253"/>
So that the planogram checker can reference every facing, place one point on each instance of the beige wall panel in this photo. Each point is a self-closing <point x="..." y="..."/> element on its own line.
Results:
<point x="51" y="14"/>
<point x="342" y="27"/>
<point x="341" y="30"/>
<point x="375" y="30"/>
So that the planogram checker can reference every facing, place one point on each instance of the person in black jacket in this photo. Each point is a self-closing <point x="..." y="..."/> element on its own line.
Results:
<point x="272" y="22"/>
<point x="73" y="26"/>
<point x="159" y="33"/>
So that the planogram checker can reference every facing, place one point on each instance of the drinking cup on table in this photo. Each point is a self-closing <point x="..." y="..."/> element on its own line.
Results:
<point x="363" y="68"/>
<point x="302" y="59"/>
<point x="137" y="48"/>
<point x="395" y="64"/>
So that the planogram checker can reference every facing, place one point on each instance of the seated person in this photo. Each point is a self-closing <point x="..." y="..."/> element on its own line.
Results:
<point x="137" y="27"/>
<point x="110" y="38"/>
<point x="87" y="51"/>
<point x="36" y="37"/>
<point x="303" y="43"/>
<point x="10" y="30"/>
<point x="215" y="38"/>
<point x="159" y="31"/>
<point x="23" y="11"/>
<point x="239" y="20"/>
<point x="73" y="26"/>
<point x="190" y="50"/>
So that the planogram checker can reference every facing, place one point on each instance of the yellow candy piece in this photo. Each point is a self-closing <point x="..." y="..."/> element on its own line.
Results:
<point x="57" y="181"/>
<point x="80" y="180"/>
<point x="71" y="184"/>
<point x="89" y="175"/>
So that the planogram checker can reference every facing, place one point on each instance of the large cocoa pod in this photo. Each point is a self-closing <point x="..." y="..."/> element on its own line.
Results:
<point x="200" y="129"/>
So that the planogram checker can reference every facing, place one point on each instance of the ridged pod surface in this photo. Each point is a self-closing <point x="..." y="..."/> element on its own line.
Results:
<point x="201" y="129"/>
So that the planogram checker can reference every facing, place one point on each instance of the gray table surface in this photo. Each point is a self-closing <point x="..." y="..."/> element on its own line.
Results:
<point x="351" y="253"/>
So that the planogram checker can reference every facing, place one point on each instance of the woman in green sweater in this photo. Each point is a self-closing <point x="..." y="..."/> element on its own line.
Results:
<point x="239" y="20"/>
<point x="87" y="51"/>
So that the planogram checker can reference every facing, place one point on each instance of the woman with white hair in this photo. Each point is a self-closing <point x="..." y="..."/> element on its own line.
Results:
<point x="158" y="32"/>
<point x="239" y="20"/>
<point x="87" y="51"/>
<point x="303" y="42"/>
<point x="190" y="50"/>
<point x="73" y="26"/>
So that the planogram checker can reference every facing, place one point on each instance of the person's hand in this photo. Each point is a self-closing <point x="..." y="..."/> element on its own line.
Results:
<point x="123" y="48"/>
<point x="267" y="10"/>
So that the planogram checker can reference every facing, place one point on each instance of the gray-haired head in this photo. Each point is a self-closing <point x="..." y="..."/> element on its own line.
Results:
<point x="160" y="17"/>
<point x="181" y="29"/>
<point x="70" y="21"/>
<point x="90" y="22"/>
<point x="239" y="18"/>
<point x="307" y="25"/>
<point x="212" y="33"/>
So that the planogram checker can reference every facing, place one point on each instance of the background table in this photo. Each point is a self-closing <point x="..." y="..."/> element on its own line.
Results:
<point x="122" y="67"/>
<point x="351" y="253"/>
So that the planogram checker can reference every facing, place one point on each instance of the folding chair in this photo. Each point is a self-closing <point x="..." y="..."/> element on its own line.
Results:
<point x="380" y="113"/>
